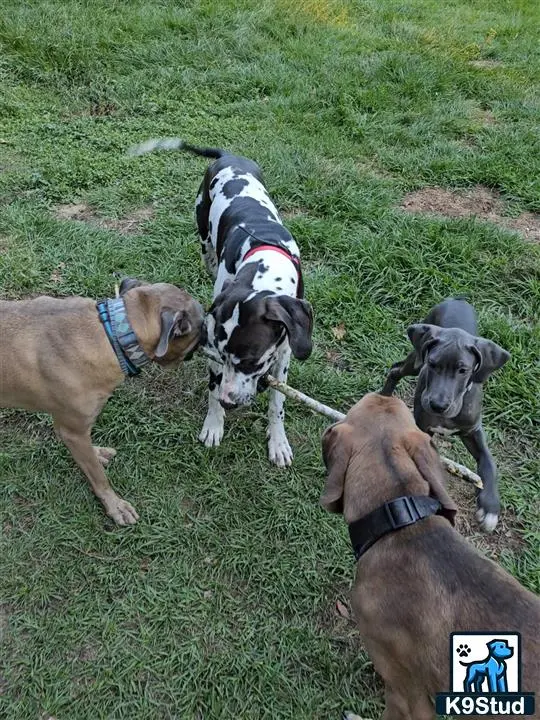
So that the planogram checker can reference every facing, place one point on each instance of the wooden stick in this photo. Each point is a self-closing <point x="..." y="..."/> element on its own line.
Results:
<point x="301" y="397"/>
<point x="454" y="468"/>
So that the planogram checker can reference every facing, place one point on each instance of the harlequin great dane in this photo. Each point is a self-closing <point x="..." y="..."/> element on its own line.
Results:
<point x="258" y="315"/>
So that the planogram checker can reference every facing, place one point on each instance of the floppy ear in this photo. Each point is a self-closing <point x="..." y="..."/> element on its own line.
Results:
<point x="490" y="357"/>
<point x="173" y="324"/>
<point x="423" y="337"/>
<point x="426" y="458"/>
<point x="297" y="317"/>
<point x="128" y="283"/>
<point x="336" y="454"/>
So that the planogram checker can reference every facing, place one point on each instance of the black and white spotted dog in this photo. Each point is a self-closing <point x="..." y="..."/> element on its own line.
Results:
<point x="258" y="315"/>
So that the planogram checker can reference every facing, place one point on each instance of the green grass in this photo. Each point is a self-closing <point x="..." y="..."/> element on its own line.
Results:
<point x="220" y="602"/>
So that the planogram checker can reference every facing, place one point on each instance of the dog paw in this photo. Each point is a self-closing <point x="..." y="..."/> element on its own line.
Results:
<point x="463" y="650"/>
<point x="279" y="450"/>
<point x="104" y="454"/>
<point x="212" y="432"/>
<point x="488" y="521"/>
<point x="122" y="512"/>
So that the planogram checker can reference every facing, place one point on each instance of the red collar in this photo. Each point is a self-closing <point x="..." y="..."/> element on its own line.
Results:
<point x="295" y="261"/>
<point x="279" y="250"/>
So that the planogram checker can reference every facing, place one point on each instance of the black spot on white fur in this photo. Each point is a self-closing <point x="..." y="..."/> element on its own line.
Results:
<point x="214" y="380"/>
<point x="234" y="187"/>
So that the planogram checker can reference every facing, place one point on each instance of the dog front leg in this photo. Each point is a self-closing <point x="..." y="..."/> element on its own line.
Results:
<point x="212" y="430"/>
<point x="90" y="459"/>
<point x="279" y="450"/>
<point x="487" y="499"/>
<point x="400" y="370"/>
<point x="500" y="684"/>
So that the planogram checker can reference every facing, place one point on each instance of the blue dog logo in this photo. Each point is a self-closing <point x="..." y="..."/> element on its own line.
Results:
<point x="492" y="669"/>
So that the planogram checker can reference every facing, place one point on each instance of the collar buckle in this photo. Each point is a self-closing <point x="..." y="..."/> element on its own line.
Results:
<point x="389" y="517"/>
<point x="402" y="511"/>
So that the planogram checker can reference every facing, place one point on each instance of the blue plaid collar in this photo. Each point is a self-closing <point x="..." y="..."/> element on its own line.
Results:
<point x="130" y="355"/>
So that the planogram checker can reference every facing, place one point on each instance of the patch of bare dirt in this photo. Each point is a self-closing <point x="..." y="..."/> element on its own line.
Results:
<point x="87" y="653"/>
<point x="101" y="109"/>
<point x="128" y="225"/>
<point x="479" y="202"/>
<point x="57" y="273"/>
<point x="528" y="224"/>
<point x="336" y="618"/>
<point x="337" y="360"/>
<point x="483" y="117"/>
<point x="486" y="64"/>
<point x="293" y="213"/>
<point x="486" y="117"/>
<point x="503" y="539"/>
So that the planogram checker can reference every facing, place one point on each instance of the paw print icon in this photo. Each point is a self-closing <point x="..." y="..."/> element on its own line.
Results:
<point x="463" y="650"/>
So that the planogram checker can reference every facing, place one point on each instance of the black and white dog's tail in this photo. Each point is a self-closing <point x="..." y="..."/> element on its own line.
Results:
<point x="174" y="144"/>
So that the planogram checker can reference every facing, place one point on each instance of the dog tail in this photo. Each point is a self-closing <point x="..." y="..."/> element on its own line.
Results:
<point x="174" y="143"/>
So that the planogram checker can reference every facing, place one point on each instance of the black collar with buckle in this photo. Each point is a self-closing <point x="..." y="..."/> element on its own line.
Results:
<point x="391" y="516"/>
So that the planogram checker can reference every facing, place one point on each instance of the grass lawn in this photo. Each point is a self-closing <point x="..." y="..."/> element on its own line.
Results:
<point x="221" y="602"/>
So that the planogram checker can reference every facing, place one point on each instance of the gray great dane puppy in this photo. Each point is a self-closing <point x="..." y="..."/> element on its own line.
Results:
<point x="452" y="363"/>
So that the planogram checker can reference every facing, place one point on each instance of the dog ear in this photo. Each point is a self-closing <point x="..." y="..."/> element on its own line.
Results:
<point x="173" y="325"/>
<point x="423" y="337"/>
<point x="490" y="357"/>
<point x="336" y="454"/>
<point x="426" y="458"/>
<point x="128" y="283"/>
<point x="297" y="317"/>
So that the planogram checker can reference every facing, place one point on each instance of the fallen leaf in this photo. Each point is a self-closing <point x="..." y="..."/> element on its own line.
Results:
<point x="343" y="610"/>
<point x="332" y="356"/>
<point x="339" y="331"/>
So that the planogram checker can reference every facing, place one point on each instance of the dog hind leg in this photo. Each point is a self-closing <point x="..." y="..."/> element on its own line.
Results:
<point x="208" y="252"/>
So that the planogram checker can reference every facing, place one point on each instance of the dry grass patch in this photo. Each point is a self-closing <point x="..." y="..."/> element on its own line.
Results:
<point x="479" y="202"/>
<point x="128" y="225"/>
<point x="505" y="538"/>
<point x="487" y="64"/>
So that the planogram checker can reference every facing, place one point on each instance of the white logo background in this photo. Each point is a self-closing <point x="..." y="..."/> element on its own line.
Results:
<point x="479" y="652"/>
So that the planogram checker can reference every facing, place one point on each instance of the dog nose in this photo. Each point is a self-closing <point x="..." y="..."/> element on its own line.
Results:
<point x="439" y="406"/>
